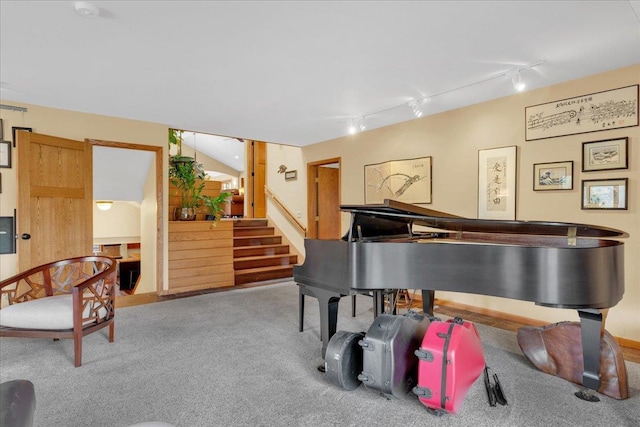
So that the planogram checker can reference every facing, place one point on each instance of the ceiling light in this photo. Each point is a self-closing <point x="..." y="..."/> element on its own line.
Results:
<point x="352" y="127"/>
<point x="104" y="205"/>
<point x="517" y="82"/>
<point x="416" y="106"/>
<point x="86" y="9"/>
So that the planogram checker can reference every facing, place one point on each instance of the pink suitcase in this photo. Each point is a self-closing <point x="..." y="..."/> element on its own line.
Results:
<point x="451" y="359"/>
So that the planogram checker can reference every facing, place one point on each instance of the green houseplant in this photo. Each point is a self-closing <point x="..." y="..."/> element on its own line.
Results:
<point x="187" y="176"/>
<point x="215" y="205"/>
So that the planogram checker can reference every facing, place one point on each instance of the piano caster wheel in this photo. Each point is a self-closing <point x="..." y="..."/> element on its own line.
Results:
<point x="588" y="395"/>
<point x="322" y="369"/>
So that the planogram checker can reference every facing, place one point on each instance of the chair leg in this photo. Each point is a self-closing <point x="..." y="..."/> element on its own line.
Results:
<point x="112" y="331"/>
<point x="77" y="349"/>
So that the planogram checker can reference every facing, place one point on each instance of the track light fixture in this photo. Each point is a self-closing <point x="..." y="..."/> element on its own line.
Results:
<point x="356" y="125"/>
<point x="517" y="82"/>
<point x="416" y="106"/>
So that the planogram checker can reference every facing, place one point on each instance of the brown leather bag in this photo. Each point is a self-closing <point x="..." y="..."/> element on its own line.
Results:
<point x="557" y="350"/>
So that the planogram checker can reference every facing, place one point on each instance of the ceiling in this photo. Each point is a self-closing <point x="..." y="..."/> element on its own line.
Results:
<point x="296" y="72"/>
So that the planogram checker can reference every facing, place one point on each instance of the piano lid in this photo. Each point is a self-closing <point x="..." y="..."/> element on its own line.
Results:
<point x="408" y="213"/>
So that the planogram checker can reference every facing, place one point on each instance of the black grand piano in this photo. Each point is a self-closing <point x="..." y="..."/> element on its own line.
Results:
<point x="552" y="264"/>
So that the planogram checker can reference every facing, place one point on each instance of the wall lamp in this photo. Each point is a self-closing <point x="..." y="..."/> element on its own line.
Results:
<point x="104" y="205"/>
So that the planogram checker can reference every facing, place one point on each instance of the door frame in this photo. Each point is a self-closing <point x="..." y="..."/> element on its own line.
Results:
<point x="159" y="157"/>
<point x="312" y="193"/>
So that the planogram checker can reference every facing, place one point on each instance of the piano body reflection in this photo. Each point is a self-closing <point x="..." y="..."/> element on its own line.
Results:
<point x="552" y="264"/>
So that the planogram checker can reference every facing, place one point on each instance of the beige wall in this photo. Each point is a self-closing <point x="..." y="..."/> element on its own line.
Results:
<point x="78" y="126"/>
<point x="290" y="193"/>
<point x="453" y="139"/>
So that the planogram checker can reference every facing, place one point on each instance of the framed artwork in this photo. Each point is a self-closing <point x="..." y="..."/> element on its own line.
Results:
<point x="604" y="194"/>
<point x="407" y="181"/>
<point x="7" y="235"/>
<point x="290" y="175"/>
<point x="611" y="109"/>
<point x="15" y="129"/>
<point x="553" y="176"/>
<point x="5" y="154"/>
<point x="497" y="183"/>
<point x="605" y="155"/>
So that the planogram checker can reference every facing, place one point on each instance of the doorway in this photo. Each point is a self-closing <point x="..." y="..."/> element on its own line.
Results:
<point x="151" y="216"/>
<point x="323" y="199"/>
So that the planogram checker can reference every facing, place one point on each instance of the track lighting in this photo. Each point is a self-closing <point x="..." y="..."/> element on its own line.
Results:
<point x="357" y="125"/>
<point x="416" y="106"/>
<point x="517" y="82"/>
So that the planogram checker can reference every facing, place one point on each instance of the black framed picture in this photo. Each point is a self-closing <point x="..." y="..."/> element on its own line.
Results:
<point x="14" y="131"/>
<point x="605" y="193"/>
<point x="553" y="176"/>
<point x="5" y="154"/>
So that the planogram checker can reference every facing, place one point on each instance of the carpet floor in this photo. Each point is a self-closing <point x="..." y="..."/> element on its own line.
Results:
<point x="236" y="358"/>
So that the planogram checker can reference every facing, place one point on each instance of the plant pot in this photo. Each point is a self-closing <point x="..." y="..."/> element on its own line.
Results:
<point x="184" y="214"/>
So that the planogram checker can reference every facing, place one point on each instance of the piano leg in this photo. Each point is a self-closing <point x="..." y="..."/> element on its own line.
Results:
<point x="328" y="302"/>
<point x="592" y="328"/>
<point x="428" y="299"/>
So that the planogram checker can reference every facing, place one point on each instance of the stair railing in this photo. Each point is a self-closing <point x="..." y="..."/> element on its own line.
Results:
<point x="292" y="219"/>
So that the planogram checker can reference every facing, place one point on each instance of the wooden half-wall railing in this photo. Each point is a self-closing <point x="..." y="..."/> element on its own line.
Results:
<point x="290" y="217"/>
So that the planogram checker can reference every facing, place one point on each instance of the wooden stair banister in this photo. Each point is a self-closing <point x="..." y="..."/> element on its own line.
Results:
<point x="292" y="219"/>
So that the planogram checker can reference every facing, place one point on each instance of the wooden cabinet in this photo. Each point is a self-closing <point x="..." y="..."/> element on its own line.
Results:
<point x="200" y="255"/>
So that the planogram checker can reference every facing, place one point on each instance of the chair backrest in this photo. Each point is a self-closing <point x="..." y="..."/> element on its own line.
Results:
<point x="62" y="277"/>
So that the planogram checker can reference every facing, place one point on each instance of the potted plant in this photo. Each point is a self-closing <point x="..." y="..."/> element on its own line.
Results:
<point x="215" y="205"/>
<point x="188" y="177"/>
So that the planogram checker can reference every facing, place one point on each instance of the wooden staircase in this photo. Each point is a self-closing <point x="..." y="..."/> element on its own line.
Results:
<point x="258" y="253"/>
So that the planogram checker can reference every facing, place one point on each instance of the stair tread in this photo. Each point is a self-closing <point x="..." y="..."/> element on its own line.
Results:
<point x="272" y="245"/>
<point x="256" y="236"/>
<point x="258" y="257"/>
<point x="262" y="269"/>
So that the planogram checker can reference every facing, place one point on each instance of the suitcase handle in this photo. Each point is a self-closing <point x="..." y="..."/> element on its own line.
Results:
<point x="425" y="355"/>
<point x="422" y="392"/>
<point x="366" y="345"/>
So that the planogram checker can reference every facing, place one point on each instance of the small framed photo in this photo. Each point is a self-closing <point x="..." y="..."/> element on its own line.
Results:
<point x="553" y="176"/>
<point x="604" y="194"/>
<point x="605" y="155"/>
<point x="5" y="154"/>
<point x="14" y="131"/>
<point x="290" y="175"/>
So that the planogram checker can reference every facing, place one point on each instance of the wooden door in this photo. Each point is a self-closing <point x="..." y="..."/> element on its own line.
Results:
<point x="323" y="199"/>
<point x="257" y="170"/>
<point x="55" y="196"/>
<point x="328" y="183"/>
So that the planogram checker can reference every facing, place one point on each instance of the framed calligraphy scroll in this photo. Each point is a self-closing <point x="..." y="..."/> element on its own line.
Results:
<point x="407" y="181"/>
<point x="612" y="109"/>
<point x="497" y="183"/>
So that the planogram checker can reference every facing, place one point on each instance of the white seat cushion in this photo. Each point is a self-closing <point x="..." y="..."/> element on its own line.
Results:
<point x="52" y="313"/>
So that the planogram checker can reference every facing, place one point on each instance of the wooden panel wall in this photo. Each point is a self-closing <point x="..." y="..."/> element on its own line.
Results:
<point x="200" y="255"/>
<point x="211" y="189"/>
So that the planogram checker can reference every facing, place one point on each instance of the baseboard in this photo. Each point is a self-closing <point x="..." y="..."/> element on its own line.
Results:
<point x="624" y="342"/>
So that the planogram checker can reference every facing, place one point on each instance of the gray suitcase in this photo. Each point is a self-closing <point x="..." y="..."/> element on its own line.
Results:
<point x="389" y="363"/>
<point x="343" y="359"/>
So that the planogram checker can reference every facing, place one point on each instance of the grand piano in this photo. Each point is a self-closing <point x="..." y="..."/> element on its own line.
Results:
<point x="552" y="264"/>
